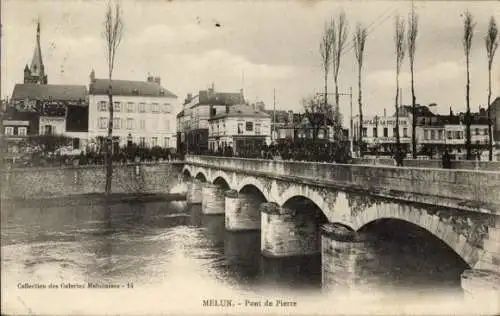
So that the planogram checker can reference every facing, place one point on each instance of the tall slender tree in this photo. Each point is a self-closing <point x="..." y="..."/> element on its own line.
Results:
<point x="469" y="25"/>
<point x="340" y="29"/>
<point x="113" y="32"/>
<point x="491" y="41"/>
<point x="359" y="39"/>
<point x="325" y="49"/>
<point x="399" y="41"/>
<point x="412" y="38"/>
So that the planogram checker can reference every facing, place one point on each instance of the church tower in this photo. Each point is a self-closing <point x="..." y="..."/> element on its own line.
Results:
<point x="36" y="72"/>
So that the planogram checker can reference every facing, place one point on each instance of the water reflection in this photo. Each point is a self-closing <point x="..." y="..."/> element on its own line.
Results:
<point x="174" y="245"/>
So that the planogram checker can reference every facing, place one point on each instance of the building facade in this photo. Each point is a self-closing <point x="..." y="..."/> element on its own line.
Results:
<point x="195" y="115"/>
<point x="143" y="113"/>
<point x="379" y="133"/>
<point x="243" y="128"/>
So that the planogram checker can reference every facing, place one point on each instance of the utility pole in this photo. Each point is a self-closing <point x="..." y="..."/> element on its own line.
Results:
<point x="274" y="116"/>
<point x="350" y="126"/>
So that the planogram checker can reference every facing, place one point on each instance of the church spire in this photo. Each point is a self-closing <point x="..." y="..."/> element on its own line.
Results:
<point x="37" y="68"/>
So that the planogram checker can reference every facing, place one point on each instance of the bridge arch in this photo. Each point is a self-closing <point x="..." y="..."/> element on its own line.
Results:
<point x="201" y="175"/>
<point x="253" y="182"/>
<point x="307" y="193"/>
<point x="221" y="178"/>
<point x="443" y="231"/>
<point x="186" y="171"/>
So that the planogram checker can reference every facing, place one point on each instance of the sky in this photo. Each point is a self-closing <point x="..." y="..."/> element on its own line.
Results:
<point x="258" y="46"/>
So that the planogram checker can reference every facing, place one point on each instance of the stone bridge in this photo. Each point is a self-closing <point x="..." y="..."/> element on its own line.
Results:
<point x="305" y="208"/>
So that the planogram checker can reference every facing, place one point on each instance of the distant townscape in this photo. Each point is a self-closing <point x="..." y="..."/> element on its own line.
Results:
<point x="45" y="122"/>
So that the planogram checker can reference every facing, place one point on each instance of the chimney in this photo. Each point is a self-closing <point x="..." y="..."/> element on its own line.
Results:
<point x="150" y="78"/>
<point x="290" y="116"/>
<point x="157" y="80"/>
<point x="92" y="76"/>
<point x="385" y="113"/>
<point x="189" y="97"/>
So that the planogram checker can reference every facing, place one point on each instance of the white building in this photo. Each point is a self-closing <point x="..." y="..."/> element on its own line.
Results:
<point x="241" y="127"/>
<point x="379" y="132"/>
<point x="144" y="112"/>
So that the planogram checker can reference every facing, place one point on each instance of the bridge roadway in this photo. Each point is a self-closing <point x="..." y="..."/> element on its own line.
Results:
<point x="306" y="207"/>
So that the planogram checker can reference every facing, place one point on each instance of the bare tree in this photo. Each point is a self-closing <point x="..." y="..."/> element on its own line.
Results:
<point x="340" y="29"/>
<point x="317" y="113"/>
<point x="325" y="49"/>
<point x="113" y="31"/>
<point x="467" y="42"/>
<point x="412" y="38"/>
<point x="359" y="39"/>
<point x="399" y="41"/>
<point x="491" y="41"/>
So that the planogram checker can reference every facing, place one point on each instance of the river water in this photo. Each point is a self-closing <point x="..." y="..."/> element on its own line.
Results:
<point x="167" y="257"/>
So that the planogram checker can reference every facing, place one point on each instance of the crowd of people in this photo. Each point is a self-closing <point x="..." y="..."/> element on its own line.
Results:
<point x="302" y="150"/>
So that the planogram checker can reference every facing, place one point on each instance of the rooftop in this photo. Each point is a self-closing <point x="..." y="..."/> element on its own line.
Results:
<point x="241" y="110"/>
<point x="129" y="88"/>
<point x="47" y="92"/>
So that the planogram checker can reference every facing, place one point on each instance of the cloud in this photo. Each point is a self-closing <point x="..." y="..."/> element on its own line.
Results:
<point x="439" y="72"/>
<point x="223" y="62"/>
<point x="163" y="34"/>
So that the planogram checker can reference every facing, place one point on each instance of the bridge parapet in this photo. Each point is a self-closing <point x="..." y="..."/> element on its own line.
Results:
<point x="477" y="190"/>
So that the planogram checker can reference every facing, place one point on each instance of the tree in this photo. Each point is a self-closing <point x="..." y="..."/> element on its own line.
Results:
<point x="339" y="30"/>
<point x="491" y="41"/>
<point x="467" y="42"/>
<point x="113" y="31"/>
<point x="359" y="49"/>
<point x="317" y="113"/>
<point x="399" y="41"/>
<point x="412" y="37"/>
<point x="325" y="49"/>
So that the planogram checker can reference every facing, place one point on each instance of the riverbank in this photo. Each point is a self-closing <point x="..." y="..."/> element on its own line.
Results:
<point x="92" y="198"/>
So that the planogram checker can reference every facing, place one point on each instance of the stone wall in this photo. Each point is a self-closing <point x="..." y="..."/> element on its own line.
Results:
<point x="477" y="189"/>
<point x="432" y="163"/>
<point x="26" y="183"/>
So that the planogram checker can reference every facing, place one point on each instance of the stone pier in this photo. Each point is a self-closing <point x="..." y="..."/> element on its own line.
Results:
<point x="193" y="195"/>
<point x="286" y="232"/>
<point x="342" y="249"/>
<point x="242" y="212"/>
<point x="212" y="200"/>
<point x="481" y="287"/>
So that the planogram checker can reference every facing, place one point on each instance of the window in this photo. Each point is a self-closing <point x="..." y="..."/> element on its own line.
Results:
<point x="154" y="141"/>
<point x="21" y="131"/>
<point x="440" y="135"/>
<point x="166" y="108"/>
<point x="142" y="107"/>
<point x="117" y="106"/>
<point x="426" y="134"/>
<point x="166" y="142"/>
<point x="103" y="122"/>
<point x="240" y="128"/>
<point x="102" y="106"/>
<point x="375" y="132"/>
<point x="9" y="130"/>
<point x="142" y="141"/>
<point x="485" y="131"/>
<point x="249" y="126"/>
<point x="476" y="131"/>
<point x="394" y="131"/>
<point x="433" y="134"/>
<point x="405" y="132"/>
<point x="130" y="123"/>
<point x="116" y="123"/>
<point x="364" y="131"/>
<point x="156" y="107"/>
<point x="143" y="124"/>
<point x="257" y="128"/>
<point x="167" y="124"/>
<point x="130" y="107"/>
<point x="386" y="132"/>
